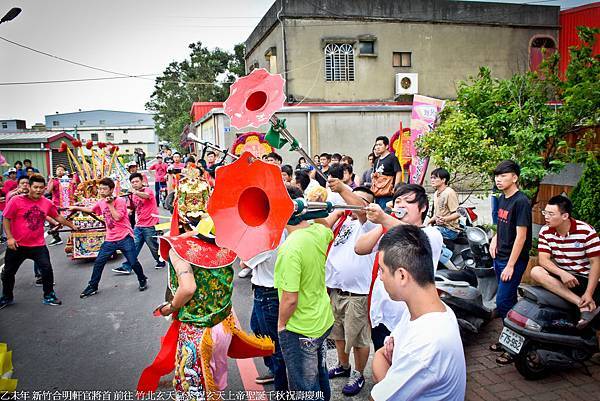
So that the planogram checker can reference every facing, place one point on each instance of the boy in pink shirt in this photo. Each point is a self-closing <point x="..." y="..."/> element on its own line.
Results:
<point x="145" y="216"/>
<point x="119" y="236"/>
<point x="24" y="217"/>
<point x="160" y="174"/>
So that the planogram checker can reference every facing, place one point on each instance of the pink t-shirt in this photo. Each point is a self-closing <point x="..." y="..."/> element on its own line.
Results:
<point x="116" y="230"/>
<point x="178" y="166"/>
<point x="27" y="217"/>
<point x="161" y="171"/>
<point x="56" y="192"/>
<point x="9" y="185"/>
<point x="145" y="208"/>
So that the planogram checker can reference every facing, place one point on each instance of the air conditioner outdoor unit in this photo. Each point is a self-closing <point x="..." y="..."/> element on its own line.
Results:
<point x="407" y="83"/>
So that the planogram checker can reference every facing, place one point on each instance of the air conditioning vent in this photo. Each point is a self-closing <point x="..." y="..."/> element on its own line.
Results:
<point x="407" y="83"/>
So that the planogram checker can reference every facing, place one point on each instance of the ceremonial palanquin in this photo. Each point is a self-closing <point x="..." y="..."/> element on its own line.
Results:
<point x="82" y="190"/>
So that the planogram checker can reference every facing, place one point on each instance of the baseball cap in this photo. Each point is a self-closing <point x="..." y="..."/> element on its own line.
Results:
<point x="131" y="164"/>
<point x="12" y="170"/>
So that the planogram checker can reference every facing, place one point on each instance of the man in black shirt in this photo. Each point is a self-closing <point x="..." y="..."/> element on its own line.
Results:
<point x="512" y="242"/>
<point x="387" y="165"/>
<point x="324" y="161"/>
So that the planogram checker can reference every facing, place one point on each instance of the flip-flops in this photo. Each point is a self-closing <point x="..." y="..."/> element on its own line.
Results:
<point x="497" y="347"/>
<point x="504" y="359"/>
<point x="587" y="317"/>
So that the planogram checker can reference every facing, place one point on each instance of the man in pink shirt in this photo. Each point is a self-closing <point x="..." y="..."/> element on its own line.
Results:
<point x="11" y="182"/>
<point x="24" y="217"/>
<point x="160" y="177"/>
<point x="119" y="236"/>
<point x="145" y="216"/>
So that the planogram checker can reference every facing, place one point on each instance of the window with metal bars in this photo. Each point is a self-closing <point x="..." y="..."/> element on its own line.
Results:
<point x="339" y="62"/>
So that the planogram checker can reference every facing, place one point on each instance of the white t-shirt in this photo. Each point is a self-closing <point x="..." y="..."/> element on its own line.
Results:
<point x="335" y="198"/>
<point x="263" y="266"/>
<point x="383" y="309"/>
<point x="428" y="361"/>
<point x="345" y="269"/>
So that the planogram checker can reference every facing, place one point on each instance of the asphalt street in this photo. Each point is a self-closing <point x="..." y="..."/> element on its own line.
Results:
<point x="103" y="342"/>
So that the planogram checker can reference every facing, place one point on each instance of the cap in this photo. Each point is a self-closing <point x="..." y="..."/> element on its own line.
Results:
<point x="131" y="164"/>
<point x="12" y="170"/>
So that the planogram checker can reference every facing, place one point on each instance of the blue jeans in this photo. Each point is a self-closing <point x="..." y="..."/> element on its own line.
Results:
<point x="157" y="187"/>
<point x="447" y="233"/>
<point x="506" y="297"/>
<point x="306" y="362"/>
<point x="382" y="201"/>
<point x="143" y="235"/>
<point x="265" y="313"/>
<point x="127" y="246"/>
<point x="446" y="255"/>
<point x="494" y="201"/>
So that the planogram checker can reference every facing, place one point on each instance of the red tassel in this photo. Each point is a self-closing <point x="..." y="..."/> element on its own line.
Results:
<point x="163" y="364"/>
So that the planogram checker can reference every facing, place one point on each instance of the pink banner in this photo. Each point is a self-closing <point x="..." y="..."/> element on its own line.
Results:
<point x="422" y="120"/>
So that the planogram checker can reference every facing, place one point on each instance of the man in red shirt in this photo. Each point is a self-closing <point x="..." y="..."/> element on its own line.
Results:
<point x="160" y="177"/>
<point x="569" y="257"/>
<point x="119" y="236"/>
<point x="145" y="216"/>
<point x="24" y="218"/>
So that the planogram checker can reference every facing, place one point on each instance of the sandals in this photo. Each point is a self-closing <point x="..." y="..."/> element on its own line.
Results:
<point x="587" y="317"/>
<point x="504" y="359"/>
<point x="497" y="347"/>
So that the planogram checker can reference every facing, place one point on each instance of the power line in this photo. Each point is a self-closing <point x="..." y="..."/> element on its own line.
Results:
<point x="69" y="80"/>
<point x="71" y="61"/>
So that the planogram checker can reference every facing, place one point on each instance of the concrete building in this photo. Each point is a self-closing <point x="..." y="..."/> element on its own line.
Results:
<point x="128" y="130"/>
<point x="12" y="125"/>
<point x="382" y="50"/>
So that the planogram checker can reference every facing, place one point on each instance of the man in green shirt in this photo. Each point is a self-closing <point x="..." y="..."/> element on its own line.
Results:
<point x="305" y="315"/>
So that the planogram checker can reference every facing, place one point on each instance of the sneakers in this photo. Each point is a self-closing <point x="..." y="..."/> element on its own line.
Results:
<point x="121" y="270"/>
<point x="55" y="241"/>
<point x="339" y="371"/>
<point x="160" y="265"/>
<point x="4" y="302"/>
<point x="354" y="385"/>
<point x="38" y="281"/>
<point x="245" y="272"/>
<point x="88" y="292"/>
<point x="265" y="379"/>
<point x="143" y="285"/>
<point x="51" y="299"/>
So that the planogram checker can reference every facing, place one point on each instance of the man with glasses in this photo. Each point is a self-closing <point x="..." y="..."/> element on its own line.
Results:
<point x="569" y="258"/>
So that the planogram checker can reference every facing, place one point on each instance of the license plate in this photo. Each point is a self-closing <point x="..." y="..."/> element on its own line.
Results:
<point x="511" y="340"/>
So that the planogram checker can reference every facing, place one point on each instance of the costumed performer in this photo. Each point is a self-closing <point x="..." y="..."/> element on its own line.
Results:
<point x="200" y="283"/>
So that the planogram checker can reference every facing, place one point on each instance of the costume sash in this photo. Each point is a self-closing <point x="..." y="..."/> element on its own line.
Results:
<point x="164" y="363"/>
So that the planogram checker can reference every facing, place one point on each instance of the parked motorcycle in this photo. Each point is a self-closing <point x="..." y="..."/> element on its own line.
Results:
<point x="471" y="291"/>
<point x="460" y="243"/>
<point x="540" y="333"/>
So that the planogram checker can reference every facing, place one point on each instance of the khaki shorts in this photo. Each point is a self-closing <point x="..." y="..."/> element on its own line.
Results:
<point x="351" y="324"/>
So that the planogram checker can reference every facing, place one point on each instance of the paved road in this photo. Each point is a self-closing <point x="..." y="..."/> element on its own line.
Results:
<point x="103" y="342"/>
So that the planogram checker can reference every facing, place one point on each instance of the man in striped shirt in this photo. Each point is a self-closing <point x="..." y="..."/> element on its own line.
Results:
<point x="569" y="257"/>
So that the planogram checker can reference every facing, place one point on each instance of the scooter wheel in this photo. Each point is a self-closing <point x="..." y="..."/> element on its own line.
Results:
<point x="529" y="365"/>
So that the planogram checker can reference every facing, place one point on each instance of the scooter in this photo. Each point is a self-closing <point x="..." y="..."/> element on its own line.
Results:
<point x="540" y="333"/>
<point x="460" y="243"/>
<point x="471" y="291"/>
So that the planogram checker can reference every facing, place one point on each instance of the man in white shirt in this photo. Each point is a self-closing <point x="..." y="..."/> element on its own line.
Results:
<point x="348" y="276"/>
<point x="424" y="358"/>
<point x="410" y="205"/>
<point x="265" y="313"/>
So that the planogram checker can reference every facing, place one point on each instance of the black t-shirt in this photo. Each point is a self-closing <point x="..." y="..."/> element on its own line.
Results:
<point x="512" y="212"/>
<point x="388" y="165"/>
<point x="322" y="182"/>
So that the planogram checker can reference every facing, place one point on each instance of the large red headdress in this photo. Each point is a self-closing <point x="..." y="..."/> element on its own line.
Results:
<point x="249" y="206"/>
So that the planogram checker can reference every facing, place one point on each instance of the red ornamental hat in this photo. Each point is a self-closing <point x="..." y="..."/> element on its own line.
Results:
<point x="250" y="206"/>
<point x="253" y="99"/>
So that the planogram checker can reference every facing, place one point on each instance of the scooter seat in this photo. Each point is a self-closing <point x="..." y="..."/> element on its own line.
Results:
<point x="459" y="275"/>
<point x="542" y="296"/>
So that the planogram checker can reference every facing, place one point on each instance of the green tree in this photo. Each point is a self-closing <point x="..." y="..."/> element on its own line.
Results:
<point x="495" y="119"/>
<point x="586" y="195"/>
<point x="205" y="76"/>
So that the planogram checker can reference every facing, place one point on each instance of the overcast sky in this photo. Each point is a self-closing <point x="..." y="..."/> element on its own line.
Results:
<point x="125" y="36"/>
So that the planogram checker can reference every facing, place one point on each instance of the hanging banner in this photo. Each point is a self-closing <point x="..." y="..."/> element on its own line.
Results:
<point x="424" y="114"/>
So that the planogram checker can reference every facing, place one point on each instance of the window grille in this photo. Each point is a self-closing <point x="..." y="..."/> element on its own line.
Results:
<point x="339" y="62"/>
